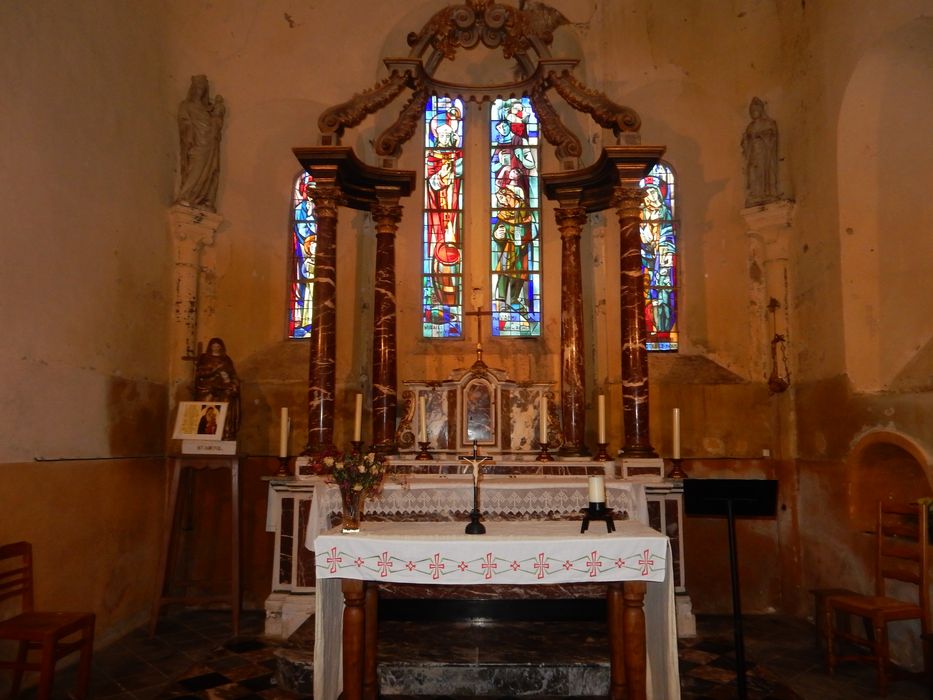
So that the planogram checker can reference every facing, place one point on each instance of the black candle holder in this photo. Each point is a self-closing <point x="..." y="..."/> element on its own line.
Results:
<point x="425" y="454"/>
<point x="283" y="466"/>
<point x="357" y="446"/>
<point x="677" y="471"/>
<point x="544" y="455"/>
<point x="602" y="454"/>
<point x="475" y="527"/>
<point x="597" y="511"/>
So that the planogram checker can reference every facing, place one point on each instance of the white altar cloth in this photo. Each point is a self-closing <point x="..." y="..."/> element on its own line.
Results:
<point x="499" y="495"/>
<point x="523" y="552"/>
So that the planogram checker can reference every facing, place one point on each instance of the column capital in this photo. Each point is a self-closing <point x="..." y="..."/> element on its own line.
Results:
<point x="194" y="226"/>
<point x="570" y="220"/>
<point x="327" y="197"/>
<point x="627" y="199"/>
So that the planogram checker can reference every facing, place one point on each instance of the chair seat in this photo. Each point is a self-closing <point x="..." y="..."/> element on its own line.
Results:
<point x="870" y="606"/>
<point x="38" y="626"/>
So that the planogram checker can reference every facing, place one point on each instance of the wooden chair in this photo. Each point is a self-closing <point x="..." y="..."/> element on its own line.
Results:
<point x="53" y="634"/>
<point x="901" y="554"/>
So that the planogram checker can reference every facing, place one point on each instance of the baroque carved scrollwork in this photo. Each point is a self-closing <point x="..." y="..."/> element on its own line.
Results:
<point x="464" y="26"/>
<point x="604" y="111"/>
<point x="353" y="111"/>
<point x="410" y="118"/>
<point x="566" y="144"/>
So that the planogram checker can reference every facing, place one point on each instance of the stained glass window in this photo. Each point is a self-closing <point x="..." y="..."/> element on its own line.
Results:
<point x="515" y="215"/>
<point x="659" y="258"/>
<point x="303" y="240"/>
<point x="442" y="272"/>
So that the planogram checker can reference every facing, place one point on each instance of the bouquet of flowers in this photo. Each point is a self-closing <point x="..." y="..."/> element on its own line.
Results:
<point x="353" y="472"/>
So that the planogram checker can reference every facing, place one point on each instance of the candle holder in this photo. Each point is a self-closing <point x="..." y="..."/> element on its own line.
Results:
<point x="602" y="454"/>
<point x="475" y="527"/>
<point x="357" y="446"/>
<point x="544" y="455"/>
<point x="597" y="511"/>
<point x="677" y="472"/>
<point x="283" y="466"/>
<point x="425" y="454"/>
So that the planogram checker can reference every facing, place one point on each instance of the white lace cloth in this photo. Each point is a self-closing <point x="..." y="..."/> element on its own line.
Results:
<point x="514" y="552"/>
<point x="498" y="495"/>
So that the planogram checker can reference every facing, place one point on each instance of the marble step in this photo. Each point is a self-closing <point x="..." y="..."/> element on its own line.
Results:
<point x="474" y="659"/>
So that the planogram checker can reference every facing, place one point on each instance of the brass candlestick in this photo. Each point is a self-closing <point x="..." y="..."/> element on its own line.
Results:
<point x="544" y="455"/>
<point x="357" y="446"/>
<point x="677" y="471"/>
<point x="425" y="454"/>
<point x="283" y="466"/>
<point x="602" y="454"/>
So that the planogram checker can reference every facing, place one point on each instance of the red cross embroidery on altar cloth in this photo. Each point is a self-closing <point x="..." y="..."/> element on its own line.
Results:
<point x="359" y="561"/>
<point x="593" y="563"/>
<point x="620" y="563"/>
<point x="333" y="560"/>
<point x="384" y="564"/>
<point x="463" y="566"/>
<point x="515" y="566"/>
<point x="489" y="566"/>
<point x="436" y="566"/>
<point x="411" y="566"/>
<point x="646" y="562"/>
<point x="540" y="565"/>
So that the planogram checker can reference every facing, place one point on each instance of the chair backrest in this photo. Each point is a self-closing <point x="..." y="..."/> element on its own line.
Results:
<point x="16" y="574"/>
<point x="903" y="551"/>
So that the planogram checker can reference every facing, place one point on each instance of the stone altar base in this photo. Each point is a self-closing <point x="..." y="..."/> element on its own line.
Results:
<point x="505" y="658"/>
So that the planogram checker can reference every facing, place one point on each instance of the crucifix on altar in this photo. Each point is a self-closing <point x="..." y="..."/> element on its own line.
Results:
<point x="476" y="296"/>
<point x="475" y="527"/>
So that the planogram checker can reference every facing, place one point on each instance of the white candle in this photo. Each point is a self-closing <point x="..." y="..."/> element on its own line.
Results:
<point x="283" y="433"/>
<point x="676" y="452"/>
<point x="542" y="421"/>
<point x="358" y="419"/>
<point x="601" y="404"/>
<point x="597" y="489"/>
<point x="422" y="418"/>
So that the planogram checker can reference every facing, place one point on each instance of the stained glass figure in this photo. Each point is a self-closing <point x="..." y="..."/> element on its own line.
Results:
<point x="442" y="272"/>
<point x="659" y="258"/>
<point x="515" y="216"/>
<point x="304" y="239"/>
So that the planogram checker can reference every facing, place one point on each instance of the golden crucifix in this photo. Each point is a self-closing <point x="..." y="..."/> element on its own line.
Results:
<point x="476" y="296"/>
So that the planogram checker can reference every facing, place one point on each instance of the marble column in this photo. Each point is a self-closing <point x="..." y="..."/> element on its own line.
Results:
<point x="192" y="230"/>
<point x="634" y="356"/>
<point x="322" y="369"/>
<point x="387" y="213"/>
<point x="570" y="221"/>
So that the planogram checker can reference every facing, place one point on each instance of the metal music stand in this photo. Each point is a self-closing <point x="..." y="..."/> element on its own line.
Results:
<point x="732" y="498"/>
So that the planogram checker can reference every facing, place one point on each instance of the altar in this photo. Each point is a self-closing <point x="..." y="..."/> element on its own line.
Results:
<point x="634" y="558"/>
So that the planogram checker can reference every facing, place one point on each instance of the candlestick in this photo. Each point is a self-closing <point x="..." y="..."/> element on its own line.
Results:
<point x="422" y="418"/>
<point x="601" y="404"/>
<point x="542" y="421"/>
<point x="676" y="451"/>
<point x="358" y="419"/>
<point x="283" y="433"/>
<point x="597" y="488"/>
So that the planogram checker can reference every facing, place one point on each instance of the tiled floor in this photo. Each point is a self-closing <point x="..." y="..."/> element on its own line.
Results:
<point x="193" y="656"/>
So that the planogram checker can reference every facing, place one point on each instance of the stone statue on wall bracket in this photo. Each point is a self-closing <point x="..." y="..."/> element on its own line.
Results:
<point x="215" y="379"/>
<point x="200" y="125"/>
<point x="760" y="148"/>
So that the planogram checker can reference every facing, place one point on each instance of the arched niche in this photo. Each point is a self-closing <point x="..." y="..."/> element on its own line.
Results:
<point x="885" y="466"/>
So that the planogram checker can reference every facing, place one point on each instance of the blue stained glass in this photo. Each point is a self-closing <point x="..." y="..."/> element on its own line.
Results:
<point x="514" y="226"/>
<point x="442" y="275"/>
<point x="659" y="259"/>
<point x="304" y="240"/>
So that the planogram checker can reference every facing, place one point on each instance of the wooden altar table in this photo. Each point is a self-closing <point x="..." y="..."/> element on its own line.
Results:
<point x="634" y="562"/>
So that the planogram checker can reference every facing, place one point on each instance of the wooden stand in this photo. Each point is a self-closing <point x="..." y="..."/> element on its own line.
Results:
<point x="231" y="462"/>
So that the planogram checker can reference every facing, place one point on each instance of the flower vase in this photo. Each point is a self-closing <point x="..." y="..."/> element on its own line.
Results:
<point x="352" y="501"/>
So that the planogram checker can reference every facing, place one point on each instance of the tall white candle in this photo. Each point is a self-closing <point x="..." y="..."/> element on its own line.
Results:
<point x="283" y="432"/>
<point x="676" y="452"/>
<point x="597" y="486"/>
<point x="542" y="421"/>
<point x="601" y="404"/>
<point x="422" y="418"/>
<point x="358" y="419"/>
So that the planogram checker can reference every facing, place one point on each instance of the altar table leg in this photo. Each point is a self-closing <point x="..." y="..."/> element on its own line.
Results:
<point x="354" y="618"/>
<point x="370" y="629"/>
<point x="616" y="642"/>
<point x="636" y="653"/>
